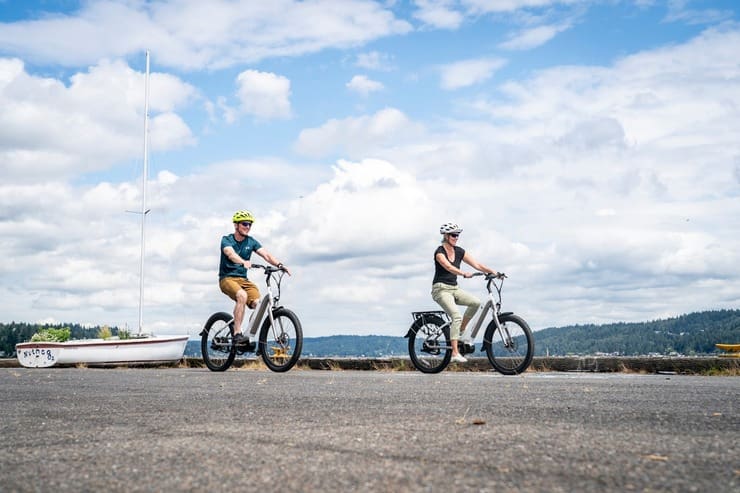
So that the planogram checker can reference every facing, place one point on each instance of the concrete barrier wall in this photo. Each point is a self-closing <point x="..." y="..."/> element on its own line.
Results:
<point x="678" y="365"/>
<point x="638" y="364"/>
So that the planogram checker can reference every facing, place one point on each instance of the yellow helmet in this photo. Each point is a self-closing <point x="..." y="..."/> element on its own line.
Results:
<point x="240" y="216"/>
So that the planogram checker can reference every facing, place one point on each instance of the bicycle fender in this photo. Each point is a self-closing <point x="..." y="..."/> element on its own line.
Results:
<point x="211" y="319"/>
<point x="419" y="322"/>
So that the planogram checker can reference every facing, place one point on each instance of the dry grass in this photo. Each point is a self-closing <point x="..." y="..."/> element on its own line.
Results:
<point x="723" y="372"/>
<point x="397" y="364"/>
<point x="391" y="365"/>
<point x="249" y="365"/>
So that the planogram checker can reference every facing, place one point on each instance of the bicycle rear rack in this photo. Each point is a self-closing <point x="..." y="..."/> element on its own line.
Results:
<point x="421" y="315"/>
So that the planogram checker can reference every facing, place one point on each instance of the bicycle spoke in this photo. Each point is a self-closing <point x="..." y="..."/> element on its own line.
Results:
<point x="216" y="344"/>
<point x="281" y="341"/>
<point x="511" y="348"/>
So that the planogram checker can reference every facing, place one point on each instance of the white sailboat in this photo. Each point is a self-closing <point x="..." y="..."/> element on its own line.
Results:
<point x="140" y="348"/>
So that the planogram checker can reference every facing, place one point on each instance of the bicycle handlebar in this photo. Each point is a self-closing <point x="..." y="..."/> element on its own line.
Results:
<point x="267" y="268"/>
<point x="500" y="275"/>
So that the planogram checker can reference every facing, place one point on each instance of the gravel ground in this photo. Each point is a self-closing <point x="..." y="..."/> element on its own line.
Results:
<point x="187" y="429"/>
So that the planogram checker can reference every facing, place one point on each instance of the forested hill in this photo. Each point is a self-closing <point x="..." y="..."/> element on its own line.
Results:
<point x="692" y="334"/>
<point x="695" y="333"/>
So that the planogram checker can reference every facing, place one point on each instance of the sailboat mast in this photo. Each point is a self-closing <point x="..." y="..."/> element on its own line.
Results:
<point x="144" y="179"/>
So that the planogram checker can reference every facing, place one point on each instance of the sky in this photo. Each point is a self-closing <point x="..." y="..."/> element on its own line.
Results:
<point x="590" y="149"/>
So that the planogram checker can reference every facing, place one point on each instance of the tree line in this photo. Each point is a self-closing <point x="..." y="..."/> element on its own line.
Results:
<point x="690" y="334"/>
<point x="15" y="332"/>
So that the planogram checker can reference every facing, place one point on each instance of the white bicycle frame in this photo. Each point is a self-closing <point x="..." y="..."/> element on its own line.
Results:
<point x="488" y="306"/>
<point x="258" y="315"/>
<point x="491" y="305"/>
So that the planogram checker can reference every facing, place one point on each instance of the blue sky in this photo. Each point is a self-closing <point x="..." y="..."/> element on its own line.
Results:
<point x="588" y="148"/>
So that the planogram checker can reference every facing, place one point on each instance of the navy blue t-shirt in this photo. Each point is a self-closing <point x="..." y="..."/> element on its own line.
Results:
<point x="243" y="248"/>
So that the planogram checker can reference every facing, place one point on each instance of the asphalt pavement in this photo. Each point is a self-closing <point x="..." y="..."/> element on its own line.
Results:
<point x="189" y="429"/>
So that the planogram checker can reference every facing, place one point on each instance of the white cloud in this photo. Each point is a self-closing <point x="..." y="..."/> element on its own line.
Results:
<point x="357" y="135"/>
<point x="679" y="12"/>
<point x="189" y="34"/>
<point x="363" y="85"/>
<point x="604" y="191"/>
<point x="533" y="37"/>
<point x="439" y="13"/>
<point x="356" y="213"/>
<point x="55" y="130"/>
<point x="607" y="192"/>
<point x="374" y="60"/>
<point x="477" y="7"/>
<point x="264" y="94"/>
<point x="469" y="72"/>
<point x="65" y="227"/>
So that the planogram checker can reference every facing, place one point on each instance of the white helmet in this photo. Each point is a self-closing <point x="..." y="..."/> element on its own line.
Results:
<point x="447" y="228"/>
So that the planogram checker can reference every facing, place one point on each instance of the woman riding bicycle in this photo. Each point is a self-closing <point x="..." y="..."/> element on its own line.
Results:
<point x="446" y="292"/>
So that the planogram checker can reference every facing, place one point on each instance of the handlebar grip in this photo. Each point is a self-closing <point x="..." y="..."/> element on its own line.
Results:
<point x="475" y="274"/>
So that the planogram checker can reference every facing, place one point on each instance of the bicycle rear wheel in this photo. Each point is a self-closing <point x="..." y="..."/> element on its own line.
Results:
<point x="280" y="344"/>
<point x="429" y="344"/>
<point x="511" y="349"/>
<point x="215" y="342"/>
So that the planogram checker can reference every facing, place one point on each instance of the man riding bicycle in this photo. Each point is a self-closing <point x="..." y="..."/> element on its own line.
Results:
<point x="236" y="251"/>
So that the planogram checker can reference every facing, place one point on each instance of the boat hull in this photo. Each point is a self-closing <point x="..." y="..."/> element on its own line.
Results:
<point x="102" y="351"/>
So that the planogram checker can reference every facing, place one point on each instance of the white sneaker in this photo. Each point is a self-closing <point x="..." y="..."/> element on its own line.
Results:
<point x="459" y="359"/>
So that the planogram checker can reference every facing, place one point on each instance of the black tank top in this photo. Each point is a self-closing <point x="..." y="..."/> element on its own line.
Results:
<point x="443" y="275"/>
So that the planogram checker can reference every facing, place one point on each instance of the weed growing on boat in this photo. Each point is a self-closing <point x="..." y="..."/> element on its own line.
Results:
<point x="51" y="335"/>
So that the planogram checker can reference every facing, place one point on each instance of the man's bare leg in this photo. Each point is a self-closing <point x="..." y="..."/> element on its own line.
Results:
<point x="241" y="303"/>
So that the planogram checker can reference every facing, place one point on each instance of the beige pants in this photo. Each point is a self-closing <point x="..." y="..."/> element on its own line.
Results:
<point x="448" y="297"/>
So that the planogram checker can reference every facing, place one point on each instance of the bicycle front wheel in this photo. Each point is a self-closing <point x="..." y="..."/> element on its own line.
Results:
<point x="280" y="344"/>
<point x="429" y="344"/>
<point x="510" y="350"/>
<point x="215" y="342"/>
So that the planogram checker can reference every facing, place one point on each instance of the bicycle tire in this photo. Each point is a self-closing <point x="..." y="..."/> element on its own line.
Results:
<point x="280" y="351"/>
<point x="509" y="353"/>
<point x="216" y="345"/>
<point x="425" y="351"/>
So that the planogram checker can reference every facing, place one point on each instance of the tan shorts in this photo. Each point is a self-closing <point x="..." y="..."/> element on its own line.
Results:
<point x="231" y="285"/>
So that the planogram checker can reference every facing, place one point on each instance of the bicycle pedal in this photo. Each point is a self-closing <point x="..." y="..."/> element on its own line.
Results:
<point x="220" y="345"/>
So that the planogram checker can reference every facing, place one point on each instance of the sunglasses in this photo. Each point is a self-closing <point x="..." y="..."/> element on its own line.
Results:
<point x="454" y="235"/>
<point x="245" y="223"/>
